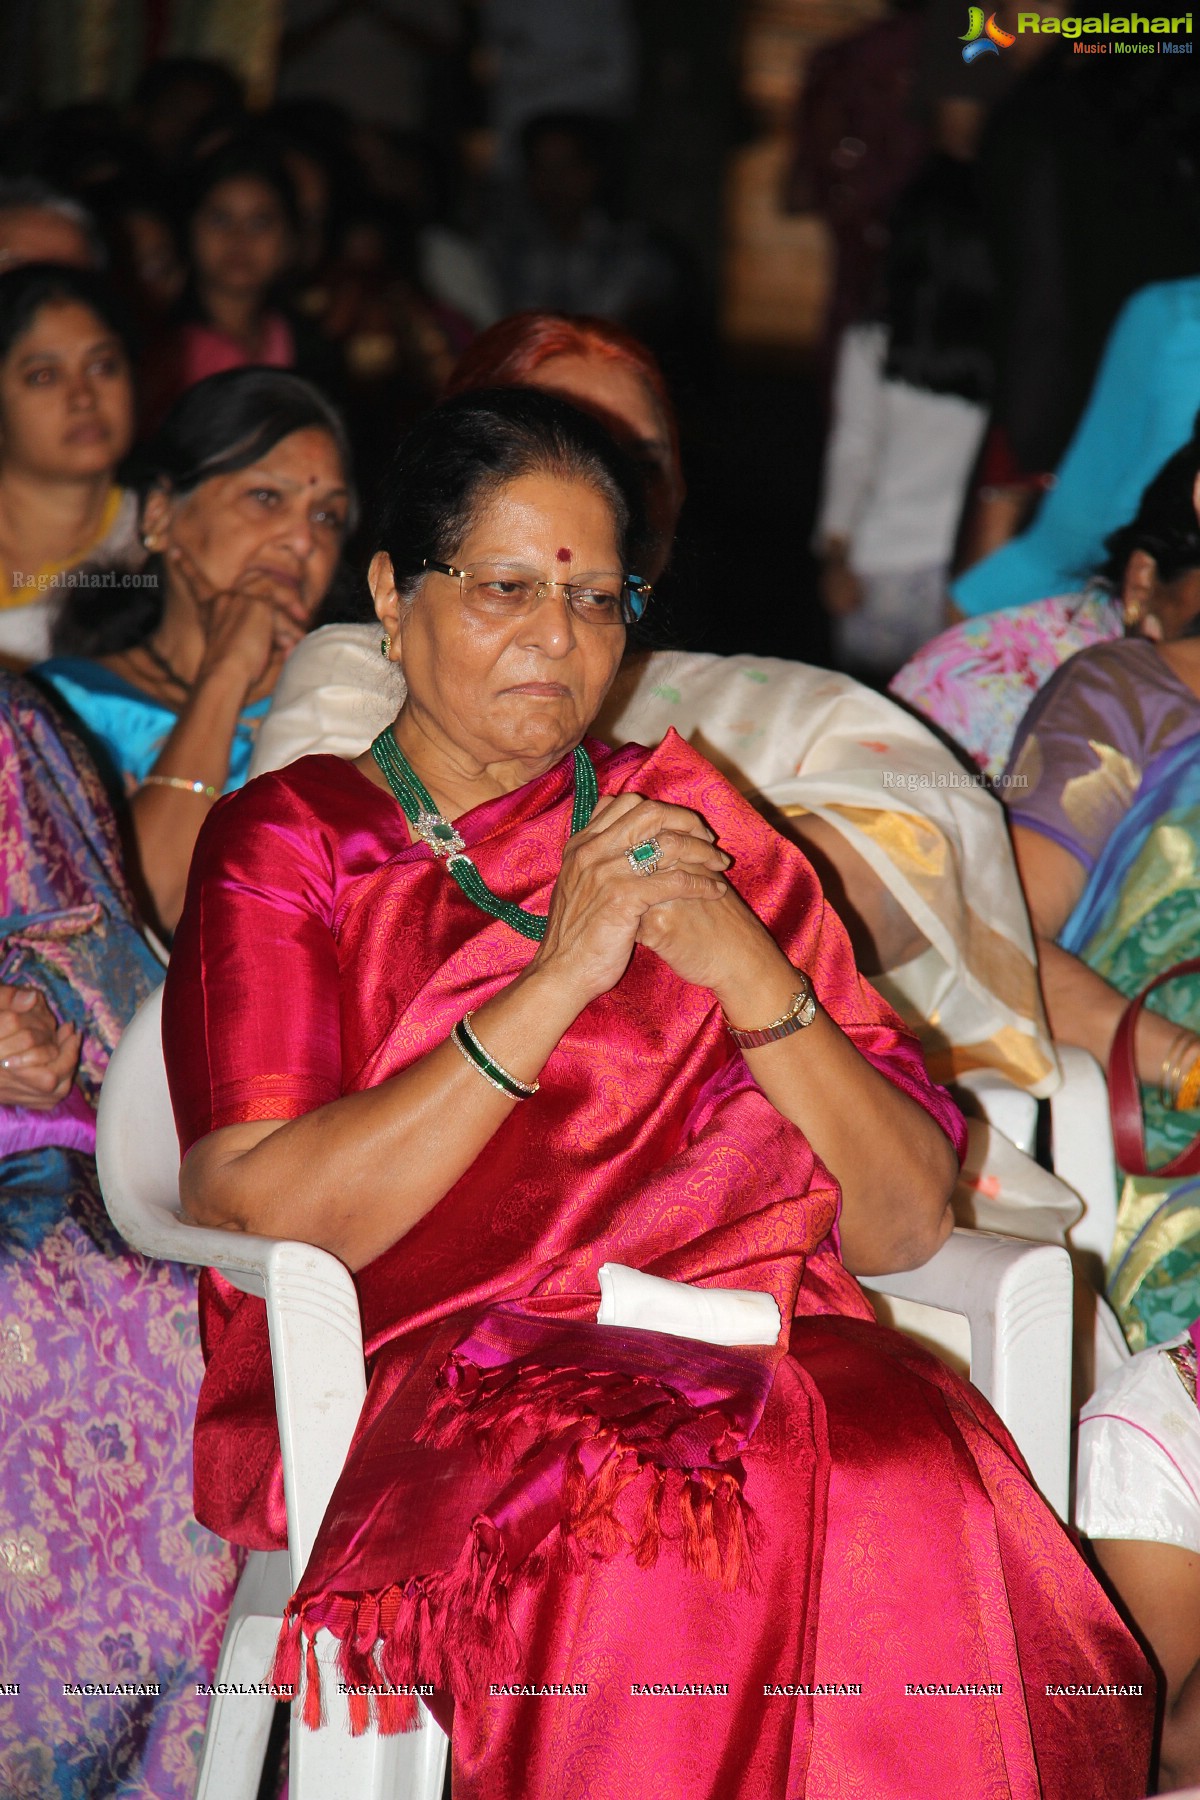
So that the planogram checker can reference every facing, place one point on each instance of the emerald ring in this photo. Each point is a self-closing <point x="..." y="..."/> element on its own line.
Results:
<point x="645" y="857"/>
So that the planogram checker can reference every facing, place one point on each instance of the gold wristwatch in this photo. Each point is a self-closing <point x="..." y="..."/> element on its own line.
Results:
<point x="800" y="1013"/>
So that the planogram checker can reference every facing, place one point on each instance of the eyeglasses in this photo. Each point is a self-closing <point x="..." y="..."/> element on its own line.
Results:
<point x="510" y="590"/>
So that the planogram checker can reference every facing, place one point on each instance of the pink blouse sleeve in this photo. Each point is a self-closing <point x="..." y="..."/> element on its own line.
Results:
<point x="251" y="1026"/>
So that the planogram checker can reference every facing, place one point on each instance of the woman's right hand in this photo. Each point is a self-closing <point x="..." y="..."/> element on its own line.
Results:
<point x="38" y="1057"/>
<point x="240" y="624"/>
<point x="599" y="899"/>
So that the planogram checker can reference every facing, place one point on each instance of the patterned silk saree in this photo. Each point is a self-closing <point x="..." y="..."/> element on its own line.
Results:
<point x="113" y="1599"/>
<point x="626" y="1564"/>
<point x="1137" y="916"/>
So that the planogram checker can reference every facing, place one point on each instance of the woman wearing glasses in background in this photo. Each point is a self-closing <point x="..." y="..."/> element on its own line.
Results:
<point x="491" y="1006"/>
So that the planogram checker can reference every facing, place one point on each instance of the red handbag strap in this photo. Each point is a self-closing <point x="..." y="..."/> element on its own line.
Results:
<point x="1124" y="1098"/>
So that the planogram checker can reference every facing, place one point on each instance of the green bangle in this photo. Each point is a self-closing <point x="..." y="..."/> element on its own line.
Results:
<point x="464" y="1040"/>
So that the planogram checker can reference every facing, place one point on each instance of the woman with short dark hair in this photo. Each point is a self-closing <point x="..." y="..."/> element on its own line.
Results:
<point x="499" y="1016"/>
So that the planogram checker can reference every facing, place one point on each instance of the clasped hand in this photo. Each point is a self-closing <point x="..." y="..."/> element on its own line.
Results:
<point x="38" y="1057"/>
<point x="253" y="624"/>
<point x="686" y="912"/>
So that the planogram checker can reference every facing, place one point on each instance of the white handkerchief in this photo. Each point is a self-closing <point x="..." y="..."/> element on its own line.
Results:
<point x="710" y="1315"/>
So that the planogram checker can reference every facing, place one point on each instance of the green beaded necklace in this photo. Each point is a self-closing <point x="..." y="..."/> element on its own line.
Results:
<point x="432" y="828"/>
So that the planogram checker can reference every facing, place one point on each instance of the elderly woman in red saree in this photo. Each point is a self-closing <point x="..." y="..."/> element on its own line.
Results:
<point x="494" y="1006"/>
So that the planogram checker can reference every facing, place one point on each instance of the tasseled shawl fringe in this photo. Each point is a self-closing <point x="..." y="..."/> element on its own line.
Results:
<point x="448" y="1628"/>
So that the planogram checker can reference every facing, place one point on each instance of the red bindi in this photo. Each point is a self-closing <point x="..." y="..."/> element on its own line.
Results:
<point x="564" y="556"/>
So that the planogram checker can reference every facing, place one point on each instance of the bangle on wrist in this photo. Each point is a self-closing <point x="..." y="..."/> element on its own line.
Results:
<point x="469" y="1046"/>
<point x="1171" y="1072"/>
<point x="182" y="783"/>
<point x="800" y="1013"/>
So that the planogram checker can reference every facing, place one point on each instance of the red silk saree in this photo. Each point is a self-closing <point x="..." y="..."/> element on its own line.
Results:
<point x="629" y="1564"/>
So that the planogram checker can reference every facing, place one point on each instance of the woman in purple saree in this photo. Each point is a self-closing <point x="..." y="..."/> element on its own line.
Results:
<point x="112" y="1598"/>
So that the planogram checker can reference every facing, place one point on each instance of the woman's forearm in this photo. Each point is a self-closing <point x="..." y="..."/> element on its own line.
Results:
<point x="895" y="1165"/>
<point x="354" y="1176"/>
<point x="1084" y="1010"/>
<point x="167" y="820"/>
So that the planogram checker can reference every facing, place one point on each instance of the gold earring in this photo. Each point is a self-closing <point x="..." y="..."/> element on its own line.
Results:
<point x="1131" y="614"/>
<point x="385" y="645"/>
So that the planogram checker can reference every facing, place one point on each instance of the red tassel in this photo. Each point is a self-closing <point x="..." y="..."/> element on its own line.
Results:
<point x="356" y="1662"/>
<point x="314" y="1712"/>
<point x="395" y="1713"/>
<point x="650" y="1539"/>
<point x="285" y="1671"/>
<point x="358" y="1709"/>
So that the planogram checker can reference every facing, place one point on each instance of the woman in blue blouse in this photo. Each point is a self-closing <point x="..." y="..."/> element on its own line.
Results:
<point x="1141" y="409"/>
<point x="246" y="503"/>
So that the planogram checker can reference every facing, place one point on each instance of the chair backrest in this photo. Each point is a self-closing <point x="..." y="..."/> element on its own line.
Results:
<point x="137" y="1150"/>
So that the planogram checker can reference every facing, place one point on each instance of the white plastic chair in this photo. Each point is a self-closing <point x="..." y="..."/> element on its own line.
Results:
<point x="1013" y="1298"/>
<point x="1081" y="1149"/>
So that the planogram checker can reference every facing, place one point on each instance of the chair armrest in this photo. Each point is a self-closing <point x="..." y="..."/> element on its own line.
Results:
<point x="312" y="1303"/>
<point x="1082" y="1150"/>
<point x="1017" y="1300"/>
<point x="316" y="1349"/>
<point x="1003" y="1104"/>
<point x="316" y="1354"/>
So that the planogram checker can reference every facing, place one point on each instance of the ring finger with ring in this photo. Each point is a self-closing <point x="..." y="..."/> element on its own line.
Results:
<point x="645" y="857"/>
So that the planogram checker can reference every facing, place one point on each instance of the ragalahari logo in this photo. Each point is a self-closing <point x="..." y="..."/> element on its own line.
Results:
<point x="983" y="37"/>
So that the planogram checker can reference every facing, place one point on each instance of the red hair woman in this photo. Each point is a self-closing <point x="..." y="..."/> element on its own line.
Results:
<point x="609" y="373"/>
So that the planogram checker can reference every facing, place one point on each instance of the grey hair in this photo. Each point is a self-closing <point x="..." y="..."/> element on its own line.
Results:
<point x="26" y="193"/>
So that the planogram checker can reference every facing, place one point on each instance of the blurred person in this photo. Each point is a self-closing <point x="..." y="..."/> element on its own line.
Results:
<point x="246" y="502"/>
<point x="146" y="267"/>
<point x="856" y="141"/>
<point x="107" y="1577"/>
<point x="560" y="248"/>
<point x="542" y="57"/>
<point x="173" y="98"/>
<point x="1089" y="185"/>
<point x="609" y="373"/>
<point x="909" y="412"/>
<point x="39" y="224"/>
<point x="240" y="222"/>
<point x="1140" y="409"/>
<point x="66" y="423"/>
<point x="976" y="680"/>
<point x="451" y="268"/>
<point x="1138" y="1502"/>
<point x="316" y="199"/>
<point x="395" y="344"/>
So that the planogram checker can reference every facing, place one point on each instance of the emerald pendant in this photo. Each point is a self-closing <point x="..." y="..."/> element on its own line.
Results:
<point x="428" y="824"/>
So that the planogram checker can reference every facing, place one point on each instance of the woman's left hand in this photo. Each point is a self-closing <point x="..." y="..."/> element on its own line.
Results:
<point x="38" y="1057"/>
<point x="722" y="945"/>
